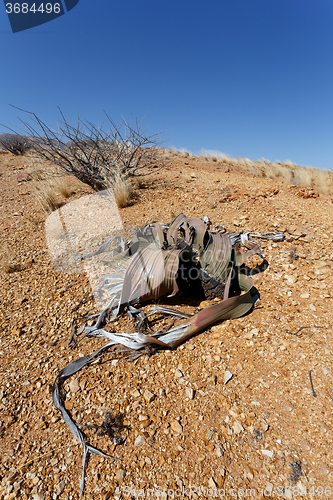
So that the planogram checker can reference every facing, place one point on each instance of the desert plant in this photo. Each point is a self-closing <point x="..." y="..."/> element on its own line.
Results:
<point x="15" y="143"/>
<point x="92" y="154"/>
<point x="161" y="260"/>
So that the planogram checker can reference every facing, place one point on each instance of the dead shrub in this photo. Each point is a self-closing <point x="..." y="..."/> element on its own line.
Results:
<point x="93" y="153"/>
<point x="16" y="144"/>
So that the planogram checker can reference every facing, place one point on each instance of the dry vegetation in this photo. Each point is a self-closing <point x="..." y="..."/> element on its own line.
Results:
<point x="122" y="189"/>
<point x="63" y="186"/>
<point x="46" y="197"/>
<point x="287" y="171"/>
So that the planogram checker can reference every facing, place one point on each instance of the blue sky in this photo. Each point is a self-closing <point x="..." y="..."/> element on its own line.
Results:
<point x="248" y="78"/>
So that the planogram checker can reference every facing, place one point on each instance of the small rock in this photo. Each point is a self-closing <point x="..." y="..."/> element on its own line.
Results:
<point x="145" y="423"/>
<point x="176" y="426"/>
<point x="265" y="384"/>
<point x="142" y="418"/>
<point x="264" y="426"/>
<point x="249" y="471"/>
<point x="120" y="475"/>
<point x="139" y="440"/>
<point x="209" y="434"/>
<point x="162" y="393"/>
<point x="178" y="374"/>
<point x="60" y="488"/>
<point x="219" y="450"/>
<point x="135" y="393"/>
<point x="189" y="392"/>
<point x="74" y="385"/>
<point x="227" y="376"/>
<point x="212" y="484"/>
<point x="305" y="295"/>
<point x="23" y="177"/>
<point x="38" y="496"/>
<point x="204" y="304"/>
<point x="268" y="453"/>
<point x="237" y="427"/>
<point x="190" y="347"/>
<point x="312" y="307"/>
<point x="149" y="396"/>
<point x="18" y="331"/>
<point x="233" y="413"/>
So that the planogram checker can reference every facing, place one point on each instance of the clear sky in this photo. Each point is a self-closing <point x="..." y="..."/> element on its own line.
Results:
<point x="246" y="77"/>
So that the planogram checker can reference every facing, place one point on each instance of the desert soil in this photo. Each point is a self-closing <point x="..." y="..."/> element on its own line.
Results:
<point x="189" y="427"/>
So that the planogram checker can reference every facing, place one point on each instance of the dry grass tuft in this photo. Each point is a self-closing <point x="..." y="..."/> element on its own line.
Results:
<point x="289" y="163"/>
<point x="277" y="171"/>
<point x="288" y="172"/>
<point x="62" y="185"/>
<point x="211" y="202"/>
<point x="38" y="175"/>
<point x="303" y="177"/>
<point x="322" y="180"/>
<point x="186" y="177"/>
<point x="122" y="190"/>
<point x="46" y="197"/>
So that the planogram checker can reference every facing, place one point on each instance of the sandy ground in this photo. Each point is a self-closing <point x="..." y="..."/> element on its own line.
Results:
<point x="266" y="433"/>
